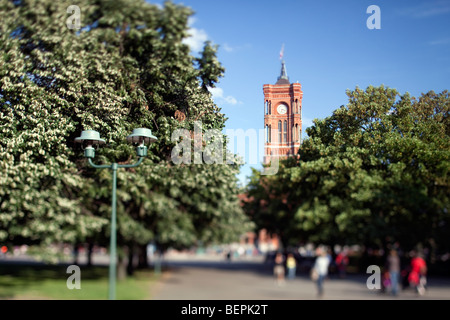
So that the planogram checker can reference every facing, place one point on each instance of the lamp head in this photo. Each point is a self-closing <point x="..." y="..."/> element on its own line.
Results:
<point x="88" y="139"/>
<point x="141" y="136"/>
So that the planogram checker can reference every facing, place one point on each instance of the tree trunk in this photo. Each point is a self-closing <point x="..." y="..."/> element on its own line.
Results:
<point x="76" y="254"/>
<point x="121" y="268"/>
<point x="90" y="252"/>
<point x="130" y="266"/>
<point x="143" y="257"/>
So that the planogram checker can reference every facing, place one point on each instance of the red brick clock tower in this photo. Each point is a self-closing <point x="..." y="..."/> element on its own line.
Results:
<point x="282" y="117"/>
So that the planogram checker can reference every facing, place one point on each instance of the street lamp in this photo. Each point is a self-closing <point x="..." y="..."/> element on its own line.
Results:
<point x="90" y="138"/>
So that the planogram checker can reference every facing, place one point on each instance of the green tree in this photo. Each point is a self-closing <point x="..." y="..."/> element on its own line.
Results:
<point x="373" y="172"/>
<point x="126" y="67"/>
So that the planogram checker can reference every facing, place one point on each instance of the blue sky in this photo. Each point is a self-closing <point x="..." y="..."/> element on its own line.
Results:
<point x="328" y="48"/>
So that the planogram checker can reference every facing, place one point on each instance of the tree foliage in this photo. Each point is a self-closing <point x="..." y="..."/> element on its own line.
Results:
<point x="375" y="171"/>
<point x="127" y="67"/>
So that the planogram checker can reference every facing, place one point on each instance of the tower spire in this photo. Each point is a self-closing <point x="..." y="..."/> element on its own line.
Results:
<point x="283" y="78"/>
<point x="283" y="74"/>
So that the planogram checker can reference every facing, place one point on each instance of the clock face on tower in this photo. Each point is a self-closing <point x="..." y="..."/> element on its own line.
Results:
<point x="282" y="109"/>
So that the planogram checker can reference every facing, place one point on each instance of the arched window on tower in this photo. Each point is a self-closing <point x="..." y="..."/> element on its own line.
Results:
<point x="267" y="133"/>
<point x="296" y="106"/>
<point x="279" y="132"/>
<point x="285" y="131"/>
<point x="270" y="133"/>
<point x="269" y="104"/>
<point x="296" y="133"/>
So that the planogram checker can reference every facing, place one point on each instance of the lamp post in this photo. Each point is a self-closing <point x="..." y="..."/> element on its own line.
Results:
<point x="90" y="138"/>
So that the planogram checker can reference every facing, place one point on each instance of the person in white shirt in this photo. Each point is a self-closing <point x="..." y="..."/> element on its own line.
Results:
<point x="321" y="266"/>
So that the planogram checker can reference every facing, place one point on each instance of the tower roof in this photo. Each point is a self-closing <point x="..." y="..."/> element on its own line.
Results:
<point x="283" y="78"/>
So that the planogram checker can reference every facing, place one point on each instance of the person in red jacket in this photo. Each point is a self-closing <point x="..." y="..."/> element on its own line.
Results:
<point x="342" y="262"/>
<point x="417" y="276"/>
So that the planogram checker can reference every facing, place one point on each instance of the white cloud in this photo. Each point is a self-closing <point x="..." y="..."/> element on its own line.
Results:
<point x="227" y="47"/>
<point x="306" y="123"/>
<point x="443" y="41"/>
<point x="218" y="95"/>
<point x="197" y="37"/>
<point x="216" y="92"/>
<point x="428" y="9"/>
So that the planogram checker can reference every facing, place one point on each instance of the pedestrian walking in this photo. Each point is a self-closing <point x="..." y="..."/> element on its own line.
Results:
<point x="278" y="269"/>
<point x="393" y="269"/>
<point x="342" y="263"/>
<point x="320" y="268"/>
<point x="291" y="265"/>
<point x="417" y="276"/>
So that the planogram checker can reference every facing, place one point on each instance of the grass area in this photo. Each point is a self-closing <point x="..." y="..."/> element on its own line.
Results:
<point x="49" y="282"/>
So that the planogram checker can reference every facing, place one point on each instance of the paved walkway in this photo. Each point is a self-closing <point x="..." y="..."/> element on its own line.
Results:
<point x="212" y="278"/>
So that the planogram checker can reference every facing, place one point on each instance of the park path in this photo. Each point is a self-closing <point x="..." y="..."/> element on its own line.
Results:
<point x="211" y="278"/>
